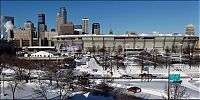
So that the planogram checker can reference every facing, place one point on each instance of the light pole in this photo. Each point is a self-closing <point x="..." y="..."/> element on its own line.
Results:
<point x="199" y="59"/>
<point x="3" y="84"/>
<point x="190" y="54"/>
<point x="181" y="44"/>
<point x="167" y="55"/>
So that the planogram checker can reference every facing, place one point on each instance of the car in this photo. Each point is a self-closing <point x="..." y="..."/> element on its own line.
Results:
<point x="134" y="89"/>
<point x="126" y="76"/>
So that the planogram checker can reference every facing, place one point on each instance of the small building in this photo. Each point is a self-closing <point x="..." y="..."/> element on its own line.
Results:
<point x="42" y="54"/>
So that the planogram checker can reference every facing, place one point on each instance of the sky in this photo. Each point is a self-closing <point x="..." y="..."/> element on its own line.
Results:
<point x="120" y="16"/>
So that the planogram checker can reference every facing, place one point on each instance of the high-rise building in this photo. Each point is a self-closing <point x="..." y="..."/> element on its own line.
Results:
<point x="77" y="29"/>
<point x="190" y="29"/>
<point x="3" y="21"/>
<point x="41" y="24"/>
<point x="66" y="29"/>
<point x="85" y="24"/>
<point x="61" y="18"/>
<point x="29" y="25"/>
<point x="96" y="28"/>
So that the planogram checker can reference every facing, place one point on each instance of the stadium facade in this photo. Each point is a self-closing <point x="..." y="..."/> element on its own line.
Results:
<point x="132" y="42"/>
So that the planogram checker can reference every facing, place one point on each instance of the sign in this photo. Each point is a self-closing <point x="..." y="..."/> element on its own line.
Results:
<point x="146" y="68"/>
<point x="174" y="77"/>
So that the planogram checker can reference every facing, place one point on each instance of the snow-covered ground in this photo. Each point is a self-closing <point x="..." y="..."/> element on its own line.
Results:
<point x="25" y="91"/>
<point x="153" y="89"/>
<point x="131" y="70"/>
<point x="89" y="96"/>
<point x="150" y="90"/>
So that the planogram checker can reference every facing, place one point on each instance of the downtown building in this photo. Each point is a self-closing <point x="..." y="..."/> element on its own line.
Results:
<point x="96" y="28"/>
<point x="85" y="24"/>
<point x="41" y="25"/>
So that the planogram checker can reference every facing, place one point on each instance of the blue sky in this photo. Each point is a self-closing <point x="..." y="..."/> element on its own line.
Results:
<point x="120" y="16"/>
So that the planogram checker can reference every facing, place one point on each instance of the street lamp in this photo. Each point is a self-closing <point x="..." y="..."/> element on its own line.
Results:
<point x="190" y="54"/>
<point x="181" y="44"/>
<point x="3" y="74"/>
<point x="167" y="55"/>
<point x="199" y="59"/>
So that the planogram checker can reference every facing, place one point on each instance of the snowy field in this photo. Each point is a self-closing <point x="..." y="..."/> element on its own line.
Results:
<point x="150" y="90"/>
<point x="155" y="88"/>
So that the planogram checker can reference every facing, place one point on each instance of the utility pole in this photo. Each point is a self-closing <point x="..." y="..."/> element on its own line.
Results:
<point x="167" y="65"/>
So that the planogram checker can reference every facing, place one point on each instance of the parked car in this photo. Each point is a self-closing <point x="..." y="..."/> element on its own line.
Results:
<point x="126" y="76"/>
<point x="134" y="89"/>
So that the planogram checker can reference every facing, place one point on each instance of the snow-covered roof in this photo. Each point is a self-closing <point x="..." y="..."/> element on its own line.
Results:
<point x="42" y="54"/>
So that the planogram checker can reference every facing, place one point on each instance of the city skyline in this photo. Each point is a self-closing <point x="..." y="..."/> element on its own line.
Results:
<point x="120" y="16"/>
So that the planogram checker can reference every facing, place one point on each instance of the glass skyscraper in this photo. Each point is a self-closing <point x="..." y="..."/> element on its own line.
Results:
<point x="96" y="28"/>
<point x="61" y="18"/>
<point x="41" y="24"/>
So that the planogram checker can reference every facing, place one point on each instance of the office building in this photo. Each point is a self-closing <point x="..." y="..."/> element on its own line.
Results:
<point x="41" y="25"/>
<point x="190" y="29"/>
<point x="96" y="28"/>
<point x="3" y="21"/>
<point x="24" y="36"/>
<point x="29" y="25"/>
<point x="77" y="29"/>
<point x="66" y="29"/>
<point x="48" y="36"/>
<point x="85" y="24"/>
<point x="61" y="18"/>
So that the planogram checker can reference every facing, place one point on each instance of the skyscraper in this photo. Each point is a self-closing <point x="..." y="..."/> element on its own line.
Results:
<point x="66" y="29"/>
<point x="85" y="23"/>
<point x="190" y="29"/>
<point x="41" y="24"/>
<point x="77" y="29"/>
<point x="29" y="25"/>
<point x="61" y="18"/>
<point x="96" y="28"/>
<point x="3" y="21"/>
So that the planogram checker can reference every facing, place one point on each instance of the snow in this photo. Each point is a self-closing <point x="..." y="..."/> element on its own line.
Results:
<point x="8" y="71"/>
<point x="153" y="89"/>
<point x="89" y="96"/>
<point x="150" y="90"/>
<point x="26" y="92"/>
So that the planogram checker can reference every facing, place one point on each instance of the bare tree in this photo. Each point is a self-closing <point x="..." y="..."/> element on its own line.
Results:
<point x="64" y="80"/>
<point x="64" y="89"/>
<point x="40" y="91"/>
<point x="177" y="91"/>
<point x="98" y="47"/>
<point x="119" y="49"/>
<point x="51" y="68"/>
<point x="14" y="85"/>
